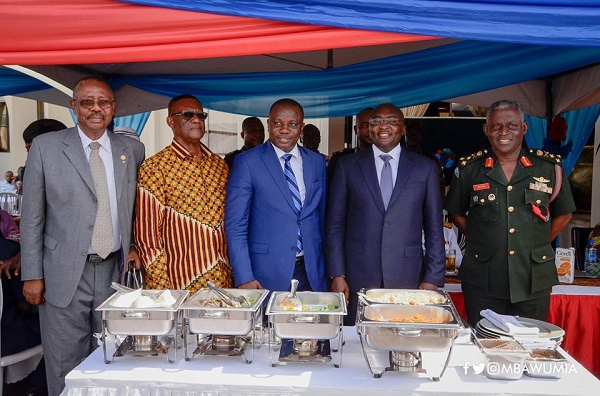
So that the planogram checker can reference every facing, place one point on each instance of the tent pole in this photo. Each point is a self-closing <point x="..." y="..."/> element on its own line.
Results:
<point x="549" y="101"/>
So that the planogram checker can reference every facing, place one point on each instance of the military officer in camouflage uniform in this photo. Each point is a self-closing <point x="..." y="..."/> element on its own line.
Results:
<point x="510" y="203"/>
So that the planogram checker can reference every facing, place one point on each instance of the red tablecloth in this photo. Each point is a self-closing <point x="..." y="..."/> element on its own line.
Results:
<point x="578" y="315"/>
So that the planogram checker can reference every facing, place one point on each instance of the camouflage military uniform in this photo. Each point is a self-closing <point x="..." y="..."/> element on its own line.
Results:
<point x="508" y="252"/>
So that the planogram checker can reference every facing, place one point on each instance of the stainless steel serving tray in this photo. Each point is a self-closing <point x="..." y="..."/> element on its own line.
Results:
<point x="141" y="321"/>
<point x="375" y="323"/>
<point x="552" y="364"/>
<point x="314" y="325"/>
<point x="439" y="296"/>
<point x="222" y="320"/>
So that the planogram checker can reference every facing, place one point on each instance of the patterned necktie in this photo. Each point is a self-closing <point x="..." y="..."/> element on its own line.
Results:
<point x="102" y="236"/>
<point x="293" y="186"/>
<point x="386" y="185"/>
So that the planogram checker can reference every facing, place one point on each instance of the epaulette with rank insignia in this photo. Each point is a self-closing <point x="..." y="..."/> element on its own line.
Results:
<point x="464" y="161"/>
<point x="545" y="155"/>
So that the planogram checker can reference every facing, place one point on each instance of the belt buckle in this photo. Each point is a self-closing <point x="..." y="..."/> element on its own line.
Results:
<point x="94" y="258"/>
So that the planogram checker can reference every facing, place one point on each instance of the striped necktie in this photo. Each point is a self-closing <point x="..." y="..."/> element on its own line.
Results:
<point x="293" y="186"/>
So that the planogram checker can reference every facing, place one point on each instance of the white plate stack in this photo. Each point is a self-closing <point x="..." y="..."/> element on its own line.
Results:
<point x="549" y="334"/>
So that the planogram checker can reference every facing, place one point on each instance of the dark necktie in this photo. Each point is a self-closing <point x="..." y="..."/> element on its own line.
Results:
<point x="386" y="185"/>
<point x="293" y="186"/>
<point x="102" y="236"/>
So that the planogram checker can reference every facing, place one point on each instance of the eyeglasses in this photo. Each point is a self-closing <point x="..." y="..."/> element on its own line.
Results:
<point x="386" y="121"/>
<point x="188" y="115"/>
<point x="89" y="103"/>
<point x="291" y="125"/>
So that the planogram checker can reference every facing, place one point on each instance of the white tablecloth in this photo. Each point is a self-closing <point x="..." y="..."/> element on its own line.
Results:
<point x="215" y="375"/>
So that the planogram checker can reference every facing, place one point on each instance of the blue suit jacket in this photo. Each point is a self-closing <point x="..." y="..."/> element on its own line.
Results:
<point x="371" y="246"/>
<point x="261" y="225"/>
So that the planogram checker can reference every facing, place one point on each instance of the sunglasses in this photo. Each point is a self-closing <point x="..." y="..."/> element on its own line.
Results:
<point x="89" y="103"/>
<point x="188" y="115"/>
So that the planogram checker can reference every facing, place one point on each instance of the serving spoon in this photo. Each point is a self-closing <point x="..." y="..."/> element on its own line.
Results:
<point x="291" y="302"/>
<point x="363" y="299"/>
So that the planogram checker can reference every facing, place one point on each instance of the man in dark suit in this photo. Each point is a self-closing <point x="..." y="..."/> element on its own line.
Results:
<point x="361" y="128"/>
<point x="253" y="133"/>
<point x="76" y="224"/>
<point x="275" y="208"/>
<point x="381" y="201"/>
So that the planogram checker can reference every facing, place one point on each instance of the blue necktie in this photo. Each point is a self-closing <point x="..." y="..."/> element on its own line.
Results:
<point x="386" y="184"/>
<point x="293" y="186"/>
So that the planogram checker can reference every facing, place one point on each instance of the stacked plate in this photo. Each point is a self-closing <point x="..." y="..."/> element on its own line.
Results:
<point x="549" y="333"/>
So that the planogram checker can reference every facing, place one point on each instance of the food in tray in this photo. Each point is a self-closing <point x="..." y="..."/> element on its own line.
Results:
<point x="320" y="308"/>
<point x="498" y="346"/>
<point x="218" y="303"/>
<point x="416" y="318"/>
<point x="545" y="354"/>
<point x="136" y="299"/>
<point x="410" y="297"/>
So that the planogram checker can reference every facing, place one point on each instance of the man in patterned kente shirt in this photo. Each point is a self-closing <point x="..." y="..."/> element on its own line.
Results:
<point x="180" y="207"/>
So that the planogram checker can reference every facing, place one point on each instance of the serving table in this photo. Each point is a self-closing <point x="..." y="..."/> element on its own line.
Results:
<point x="574" y="308"/>
<point x="218" y="375"/>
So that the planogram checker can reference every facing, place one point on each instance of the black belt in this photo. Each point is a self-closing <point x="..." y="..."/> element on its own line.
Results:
<point x="94" y="258"/>
<point x="300" y="260"/>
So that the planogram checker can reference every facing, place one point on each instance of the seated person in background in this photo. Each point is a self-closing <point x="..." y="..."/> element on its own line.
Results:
<point x="253" y="133"/>
<point x="8" y="185"/>
<point x="20" y="324"/>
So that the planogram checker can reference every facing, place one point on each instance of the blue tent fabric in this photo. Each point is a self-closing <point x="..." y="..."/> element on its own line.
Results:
<point x="419" y="77"/>
<point x="580" y="126"/>
<point x="135" y="121"/>
<point x="549" y="22"/>
<point x="13" y="82"/>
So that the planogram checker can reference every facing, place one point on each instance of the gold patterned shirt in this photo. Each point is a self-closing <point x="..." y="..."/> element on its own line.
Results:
<point x="179" y="224"/>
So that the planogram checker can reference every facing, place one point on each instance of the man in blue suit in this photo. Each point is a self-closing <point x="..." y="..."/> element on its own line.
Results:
<point x="275" y="209"/>
<point x="381" y="200"/>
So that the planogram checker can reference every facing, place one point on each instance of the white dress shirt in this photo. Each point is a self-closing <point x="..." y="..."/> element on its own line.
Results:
<point x="395" y="153"/>
<point x="105" y="153"/>
<point x="7" y="187"/>
<point x="296" y="164"/>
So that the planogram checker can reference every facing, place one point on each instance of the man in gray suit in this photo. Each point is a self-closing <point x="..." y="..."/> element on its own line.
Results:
<point x="76" y="223"/>
<point x="381" y="199"/>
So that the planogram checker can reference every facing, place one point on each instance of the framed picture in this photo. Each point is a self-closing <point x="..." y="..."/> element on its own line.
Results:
<point x="4" y="143"/>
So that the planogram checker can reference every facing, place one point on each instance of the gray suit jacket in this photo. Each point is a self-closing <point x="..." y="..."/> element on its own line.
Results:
<point x="59" y="208"/>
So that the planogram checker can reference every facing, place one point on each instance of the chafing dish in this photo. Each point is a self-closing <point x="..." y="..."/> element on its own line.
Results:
<point x="410" y="338"/>
<point x="141" y="326"/>
<point x="223" y="330"/>
<point x="304" y="336"/>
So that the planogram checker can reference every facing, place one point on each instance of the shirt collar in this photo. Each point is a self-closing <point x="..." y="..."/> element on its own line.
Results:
<point x="184" y="153"/>
<point x="104" y="140"/>
<point x="395" y="152"/>
<point x="279" y="152"/>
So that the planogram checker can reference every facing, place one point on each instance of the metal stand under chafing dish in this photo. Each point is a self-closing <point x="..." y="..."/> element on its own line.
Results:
<point x="407" y="346"/>
<point x="132" y="346"/>
<point x="223" y="331"/>
<point x="141" y="331"/>
<point x="306" y="336"/>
